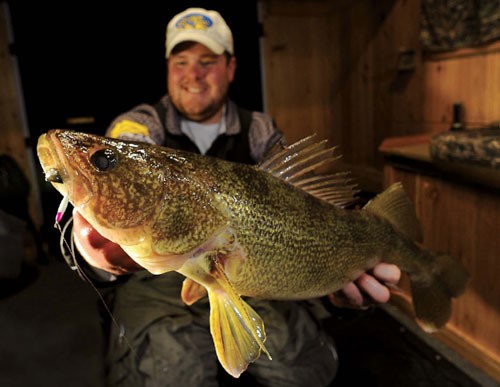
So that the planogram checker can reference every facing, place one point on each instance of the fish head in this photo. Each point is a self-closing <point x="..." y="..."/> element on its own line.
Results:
<point x="116" y="185"/>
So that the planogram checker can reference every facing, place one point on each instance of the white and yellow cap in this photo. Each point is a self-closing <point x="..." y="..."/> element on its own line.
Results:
<point x="202" y="26"/>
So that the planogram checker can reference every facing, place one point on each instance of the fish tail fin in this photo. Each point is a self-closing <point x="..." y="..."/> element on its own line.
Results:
<point x="394" y="205"/>
<point x="432" y="294"/>
<point x="439" y="279"/>
<point x="237" y="330"/>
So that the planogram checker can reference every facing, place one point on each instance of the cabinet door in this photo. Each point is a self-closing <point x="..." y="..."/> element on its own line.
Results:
<point x="463" y="221"/>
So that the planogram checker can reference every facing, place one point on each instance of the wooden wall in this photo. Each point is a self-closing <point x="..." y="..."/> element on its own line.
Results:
<point x="334" y="68"/>
<point x="11" y="114"/>
<point x="469" y="76"/>
<point x="462" y="220"/>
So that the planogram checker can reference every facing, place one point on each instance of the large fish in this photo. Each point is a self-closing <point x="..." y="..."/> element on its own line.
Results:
<point x="274" y="231"/>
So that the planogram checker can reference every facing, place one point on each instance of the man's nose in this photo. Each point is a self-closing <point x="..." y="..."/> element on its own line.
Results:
<point x="195" y="71"/>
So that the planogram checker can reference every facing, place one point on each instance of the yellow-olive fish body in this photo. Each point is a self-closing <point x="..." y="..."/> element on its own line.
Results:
<point x="274" y="231"/>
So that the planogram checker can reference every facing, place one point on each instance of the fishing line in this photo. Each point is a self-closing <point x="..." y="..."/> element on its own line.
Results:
<point x="69" y="255"/>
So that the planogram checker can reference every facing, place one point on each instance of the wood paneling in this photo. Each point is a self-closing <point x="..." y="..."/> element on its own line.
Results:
<point x="11" y="122"/>
<point x="462" y="220"/>
<point x="332" y="68"/>
<point x="10" y="119"/>
<point x="469" y="76"/>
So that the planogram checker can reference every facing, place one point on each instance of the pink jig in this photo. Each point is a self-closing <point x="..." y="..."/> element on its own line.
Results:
<point x="61" y="209"/>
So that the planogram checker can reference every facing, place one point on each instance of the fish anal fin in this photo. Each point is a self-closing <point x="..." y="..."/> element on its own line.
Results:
<point x="394" y="205"/>
<point x="237" y="330"/>
<point x="192" y="291"/>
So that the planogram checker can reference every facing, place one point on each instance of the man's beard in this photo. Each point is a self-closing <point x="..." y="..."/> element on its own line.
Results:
<point x="204" y="114"/>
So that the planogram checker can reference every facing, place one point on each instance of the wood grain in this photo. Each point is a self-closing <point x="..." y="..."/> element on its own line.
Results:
<point x="11" y="119"/>
<point x="333" y="70"/>
<point x="462" y="221"/>
<point x="467" y="77"/>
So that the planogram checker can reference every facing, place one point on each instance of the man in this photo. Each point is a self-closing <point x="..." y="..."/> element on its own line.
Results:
<point x="159" y="340"/>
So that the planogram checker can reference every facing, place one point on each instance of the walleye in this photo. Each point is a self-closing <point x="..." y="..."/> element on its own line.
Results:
<point x="274" y="231"/>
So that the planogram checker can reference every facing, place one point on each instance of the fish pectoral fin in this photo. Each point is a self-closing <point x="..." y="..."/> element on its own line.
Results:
<point x="192" y="291"/>
<point x="237" y="330"/>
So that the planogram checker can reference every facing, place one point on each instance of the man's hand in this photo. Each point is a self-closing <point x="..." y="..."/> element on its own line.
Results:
<point x="368" y="289"/>
<point x="100" y="252"/>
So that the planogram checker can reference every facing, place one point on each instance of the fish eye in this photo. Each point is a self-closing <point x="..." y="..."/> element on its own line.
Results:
<point x="103" y="160"/>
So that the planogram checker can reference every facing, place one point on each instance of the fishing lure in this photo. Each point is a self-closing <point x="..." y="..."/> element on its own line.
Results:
<point x="61" y="210"/>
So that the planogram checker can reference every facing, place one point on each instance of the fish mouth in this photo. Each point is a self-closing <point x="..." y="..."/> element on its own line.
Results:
<point x="53" y="176"/>
<point x="61" y="168"/>
<point x="50" y="160"/>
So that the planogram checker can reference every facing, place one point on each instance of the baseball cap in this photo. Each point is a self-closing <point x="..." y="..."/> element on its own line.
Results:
<point x="202" y="26"/>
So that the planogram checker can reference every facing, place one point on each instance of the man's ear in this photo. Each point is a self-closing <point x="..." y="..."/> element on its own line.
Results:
<point x="231" y="68"/>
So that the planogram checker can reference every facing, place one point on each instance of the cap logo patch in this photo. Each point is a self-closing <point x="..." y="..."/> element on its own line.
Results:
<point x="194" y="21"/>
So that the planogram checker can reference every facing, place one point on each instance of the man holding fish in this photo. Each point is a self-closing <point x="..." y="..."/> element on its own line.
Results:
<point x="171" y="342"/>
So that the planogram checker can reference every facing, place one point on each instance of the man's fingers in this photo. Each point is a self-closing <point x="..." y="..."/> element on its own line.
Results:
<point x="386" y="272"/>
<point x="348" y="297"/>
<point x="376" y="291"/>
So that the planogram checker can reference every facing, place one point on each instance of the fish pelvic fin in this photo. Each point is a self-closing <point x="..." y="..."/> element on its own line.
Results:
<point x="237" y="330"/>
<point x="432" y="296"/>
<point x="192" y="291"/>
<point x="298" y="164"/>
<point x="394" y="205"/>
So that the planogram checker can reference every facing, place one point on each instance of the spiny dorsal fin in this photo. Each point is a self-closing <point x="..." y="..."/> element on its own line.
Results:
<point x="395" y="206"/>
<point x="297" y="164"/>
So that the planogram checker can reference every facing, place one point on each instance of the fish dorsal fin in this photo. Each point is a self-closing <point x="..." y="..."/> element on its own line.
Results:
<point x="394" y="205"/>
<point x="297" y="163"/>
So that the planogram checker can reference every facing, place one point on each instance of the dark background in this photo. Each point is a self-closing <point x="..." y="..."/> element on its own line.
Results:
<point x="82" y="59"/>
